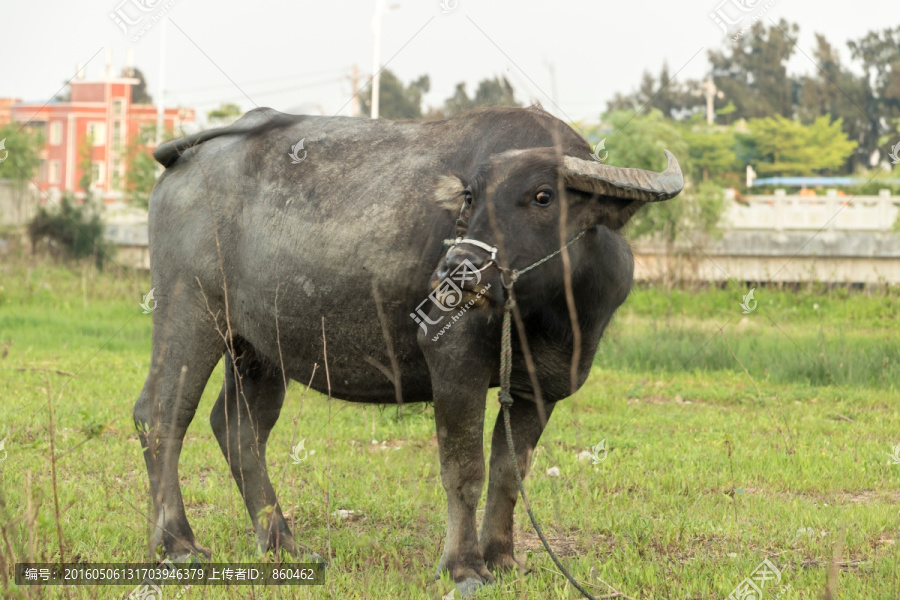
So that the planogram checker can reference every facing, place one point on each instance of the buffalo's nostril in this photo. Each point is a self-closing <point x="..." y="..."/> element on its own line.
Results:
<point x="476" y="259"/>
<point x="454" y="261"/>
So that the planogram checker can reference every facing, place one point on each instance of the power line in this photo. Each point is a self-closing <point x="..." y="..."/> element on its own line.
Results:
<point x="219" y="100"/>
<point x="268" y="79"/>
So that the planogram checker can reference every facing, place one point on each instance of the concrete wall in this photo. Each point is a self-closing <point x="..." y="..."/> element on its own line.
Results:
<point x="126" y="227"/>
<point x="770" y="238"/>
<point x="16" y="208"/>
<point x="781" y="256"/>
<point x="782" y="269"/>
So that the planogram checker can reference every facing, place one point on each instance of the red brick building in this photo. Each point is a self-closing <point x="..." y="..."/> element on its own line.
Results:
<point x="100" y="111"/>
<point x="6" y="105"/>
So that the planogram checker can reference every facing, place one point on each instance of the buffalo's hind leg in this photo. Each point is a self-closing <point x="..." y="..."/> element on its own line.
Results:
<point x="244" y="415"/>
<point x="496" y="540"/>
<point x="186" y="348"/>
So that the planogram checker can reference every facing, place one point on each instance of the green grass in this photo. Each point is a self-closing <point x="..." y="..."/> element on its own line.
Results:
<point x="815" y="335"/>
<point x="705" y="476"/>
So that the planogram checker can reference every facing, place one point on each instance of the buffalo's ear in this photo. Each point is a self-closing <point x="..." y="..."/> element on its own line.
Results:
<point x="447" y="193"/>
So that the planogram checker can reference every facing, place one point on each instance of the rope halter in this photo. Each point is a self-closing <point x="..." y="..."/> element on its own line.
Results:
<point x="476" y="243"/>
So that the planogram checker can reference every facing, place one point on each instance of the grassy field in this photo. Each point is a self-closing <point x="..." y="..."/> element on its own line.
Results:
<point x="710" y="469"/>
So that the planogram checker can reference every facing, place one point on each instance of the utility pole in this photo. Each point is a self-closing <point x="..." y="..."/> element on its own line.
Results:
<point x="711" y="92"/>
<point x="376" y="53"/>
<point x="354" y="83"/>
<point x="552" y="68"/>
<point x="376" y="56"/>
<point x="160" y="95"/>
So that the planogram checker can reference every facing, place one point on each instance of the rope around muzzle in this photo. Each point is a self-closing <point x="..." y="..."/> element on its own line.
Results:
<point x="505" y="396"/>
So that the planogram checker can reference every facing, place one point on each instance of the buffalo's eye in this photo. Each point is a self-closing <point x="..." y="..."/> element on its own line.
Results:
<point x="543" y="198"/>
<point x="468" y="198"/>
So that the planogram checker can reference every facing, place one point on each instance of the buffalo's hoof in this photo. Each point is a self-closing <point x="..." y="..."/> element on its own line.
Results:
<point x="468" y="579"/>
<point x="314" y="557"/>
<point x="469" y="587"/>
<point x="505" y="563"/>
<point x="193" y="553"/>
<point x="191" y="559"/>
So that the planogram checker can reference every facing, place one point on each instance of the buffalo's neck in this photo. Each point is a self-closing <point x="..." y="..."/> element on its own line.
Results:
<point x="597" y="290"/>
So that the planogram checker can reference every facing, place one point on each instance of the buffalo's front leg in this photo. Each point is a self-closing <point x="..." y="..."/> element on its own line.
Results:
<point x="460" y="424"/>
<point x="503" y="490"/>
<point x="460" y="370"/>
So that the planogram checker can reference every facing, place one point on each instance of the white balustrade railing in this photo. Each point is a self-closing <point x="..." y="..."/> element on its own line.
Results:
<point x="781" y="212"/>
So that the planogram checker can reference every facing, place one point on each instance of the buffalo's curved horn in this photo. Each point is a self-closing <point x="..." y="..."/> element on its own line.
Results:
<point x="619" y="182"/>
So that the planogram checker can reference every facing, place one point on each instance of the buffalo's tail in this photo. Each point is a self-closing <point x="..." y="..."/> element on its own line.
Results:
<point x="255" y="121"/>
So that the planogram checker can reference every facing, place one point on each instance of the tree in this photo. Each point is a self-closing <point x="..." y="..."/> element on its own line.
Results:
<point x="490" y="92"/>
<point x="86" y="165"/>
<point x="835" y="91"/>
<point x="711" y="153"/>
<point x="639" y="141"/>
<point x="671" y="97"/>
<point x="396" y="101"/>
<point x="458" y="102"/>
<point x="892" y="136"/>
<point x="76" y="230"/>
<point x="226" y="114"/>
<point x="753" y="72"/>
<point x="22" y="160"/>
<point x="780" y="146"/>
<point x="879" y="53"/>
<point x="636" y="99"/>
<point x="495" y="92"/>
<point x="139" y="93"/>
<point x="140" y="167"/>
<point x="65" y="94"/>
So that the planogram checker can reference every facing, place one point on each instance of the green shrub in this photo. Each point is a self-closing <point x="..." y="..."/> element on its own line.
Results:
<point x="73" y="230"/>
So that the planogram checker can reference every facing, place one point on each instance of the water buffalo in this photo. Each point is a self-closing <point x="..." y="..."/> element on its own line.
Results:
<point x="269" y="231"/>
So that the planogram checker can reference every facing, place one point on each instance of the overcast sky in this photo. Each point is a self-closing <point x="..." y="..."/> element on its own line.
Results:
<point x="296" y="56"/>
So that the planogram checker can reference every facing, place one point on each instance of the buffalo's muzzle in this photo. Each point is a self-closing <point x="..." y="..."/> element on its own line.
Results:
<point x="461" y="263"/>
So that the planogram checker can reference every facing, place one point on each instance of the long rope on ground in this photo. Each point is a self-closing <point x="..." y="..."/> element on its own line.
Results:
<point x="506" y="400"/>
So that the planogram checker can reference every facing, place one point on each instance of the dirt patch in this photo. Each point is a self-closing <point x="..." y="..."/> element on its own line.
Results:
<point x="561" y="543"/>
<point x="833" y="497"/>
<point x="376" y="446"/>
